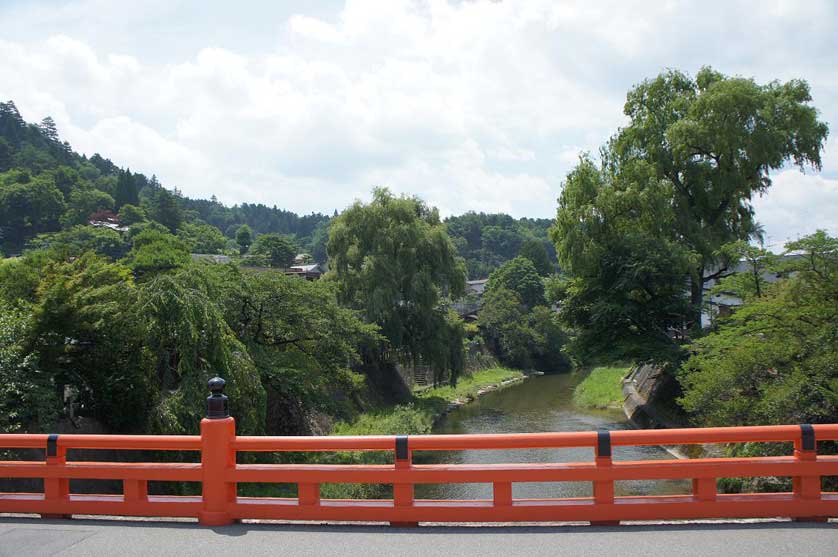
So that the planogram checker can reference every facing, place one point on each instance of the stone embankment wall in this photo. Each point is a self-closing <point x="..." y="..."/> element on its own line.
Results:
<point x="643" y="389"/>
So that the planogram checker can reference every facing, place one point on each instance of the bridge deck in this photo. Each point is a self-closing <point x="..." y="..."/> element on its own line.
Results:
<point x="28" y="536"/>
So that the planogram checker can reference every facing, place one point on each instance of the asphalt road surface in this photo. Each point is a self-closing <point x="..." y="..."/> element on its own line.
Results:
<point x="32" y="536"/>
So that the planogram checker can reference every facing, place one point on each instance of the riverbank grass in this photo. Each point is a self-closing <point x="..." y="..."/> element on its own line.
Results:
<point x="602" y="388"/>
<point x="418" y="416"/>
<point x="415" y="418"/>
<point x="468" y="386"/>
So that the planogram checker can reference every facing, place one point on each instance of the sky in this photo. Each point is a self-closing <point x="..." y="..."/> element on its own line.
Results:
<point x="471" y="105"/>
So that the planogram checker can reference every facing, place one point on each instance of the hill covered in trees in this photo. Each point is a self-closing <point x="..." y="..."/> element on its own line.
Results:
<point x="46" y="187"/>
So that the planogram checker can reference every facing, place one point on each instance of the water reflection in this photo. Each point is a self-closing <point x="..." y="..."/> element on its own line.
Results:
<point x="539" y="404"/>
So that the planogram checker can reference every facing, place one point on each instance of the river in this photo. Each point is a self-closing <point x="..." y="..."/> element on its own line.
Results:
<point x="539" y="404"/>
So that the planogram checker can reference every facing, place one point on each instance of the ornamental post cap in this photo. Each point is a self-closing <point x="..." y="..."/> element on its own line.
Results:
<point x="217" y="402"/>
<point x="216" y="385"/>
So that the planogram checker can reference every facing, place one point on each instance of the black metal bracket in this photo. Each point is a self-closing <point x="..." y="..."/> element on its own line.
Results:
<point x="807" y="437"/>
<point x="52" y="445"/>
<point x="603" y="443"/>
<point x="401" y="447"/>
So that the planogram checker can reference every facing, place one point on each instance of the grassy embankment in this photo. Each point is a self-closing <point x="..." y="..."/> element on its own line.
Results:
<point x="602" y="388"/>
<point x="418" y="416"/>
<point x="415" y="418"/>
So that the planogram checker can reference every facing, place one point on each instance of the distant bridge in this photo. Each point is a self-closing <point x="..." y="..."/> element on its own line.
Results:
<point x="219" y="473"/>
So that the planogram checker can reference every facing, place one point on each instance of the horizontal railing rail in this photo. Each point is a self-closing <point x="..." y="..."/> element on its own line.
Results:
<point x="219" y="475"/>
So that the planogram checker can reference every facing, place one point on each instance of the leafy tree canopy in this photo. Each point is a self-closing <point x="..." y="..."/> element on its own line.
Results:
<point x="775" y="360"/>
<point x="393" y="260"/>
<point x="714" y="139"/>
<point x="535" y="251"/>
<point x="520" y="276"/>
<point x="155" y="251"/>
<point x="200" y="237"/>
<point x="278" y="250"/>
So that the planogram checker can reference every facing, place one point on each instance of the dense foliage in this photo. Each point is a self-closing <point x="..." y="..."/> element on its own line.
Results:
<point x="133" y="349"/>
<point x="487" y="241"/>
<point x="625" y="288"/>
<point x="393" y="261"/>
<point x="516" y="323"/>
<point x="675" y="186"/>
<point x="713" y="139"/>
<point x="775" y="359"/>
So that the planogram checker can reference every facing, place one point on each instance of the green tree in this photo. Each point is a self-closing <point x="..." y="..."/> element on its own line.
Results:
<point x="625" y="291"/>
<point x="301" y="340"/>
<point x="520" y="276"/>
<point x="66" y="179"/>
<point x="775" y="360"/>
<point x="28" y="206"/>
<point x="162" y="206"/>
<point x="85" y="336"/>
<point x="80" y="239"/>
<point x="715" y="139"/>
<point x="392" y="260"/>
<point x="28" y="397"/>
<point x="189" y="342"/>
<point x="127" y="192"/>
<point x="521" y="337"/>
<point x="82" y="203"/>
<point x="752" y="282"/>
<point x="319" y="239"/>
<point x="6" y="155"/>
<point x="244" y="237"/>
<point x="279" y="250"/>
<point x="535" y="251"/>
<point x="202" y="238"/>
<point x="153" y="251"/>
<point x="131" y="214"/>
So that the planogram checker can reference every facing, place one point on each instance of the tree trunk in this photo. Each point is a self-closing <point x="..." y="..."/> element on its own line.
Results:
<point x="696" y="296"/>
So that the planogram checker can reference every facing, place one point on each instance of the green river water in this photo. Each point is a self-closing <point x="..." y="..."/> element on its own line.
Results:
<point x="539" y="404"/>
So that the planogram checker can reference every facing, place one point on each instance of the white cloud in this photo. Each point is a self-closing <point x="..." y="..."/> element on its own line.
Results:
<point x="796" y="205"/>
<point x="471" y="105"/>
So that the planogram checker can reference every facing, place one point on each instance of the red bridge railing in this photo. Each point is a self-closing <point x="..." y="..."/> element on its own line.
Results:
<point x="219" y="475"/>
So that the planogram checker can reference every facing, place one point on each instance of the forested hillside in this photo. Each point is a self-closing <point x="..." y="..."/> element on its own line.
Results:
<point x="487" y="241"/>
<point x="46" y="187"/>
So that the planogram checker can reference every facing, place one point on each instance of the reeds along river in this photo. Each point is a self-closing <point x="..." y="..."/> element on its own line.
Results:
<point x="539" y="404"/>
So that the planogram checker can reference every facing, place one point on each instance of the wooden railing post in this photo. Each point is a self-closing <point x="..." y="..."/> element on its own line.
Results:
<point x="603" y="489"/>
<point x="704" y="489"/>
<point x="502" y="494"/>
<point x="807" y="488"/>
<point x="218" y="431"/>
<point x="403" y="493"/>
<point x="308" y="494"/>
<point x="135" y="491"/>
<point x="56" y="490"/>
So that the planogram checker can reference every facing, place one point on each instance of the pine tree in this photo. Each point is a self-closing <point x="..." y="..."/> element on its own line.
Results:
<point x="126" y="190"/>
<point x="49" y="130"/>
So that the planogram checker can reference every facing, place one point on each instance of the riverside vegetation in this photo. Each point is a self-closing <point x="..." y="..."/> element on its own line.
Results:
<point x="602" y="388"/>
<point x="117" y="324"/>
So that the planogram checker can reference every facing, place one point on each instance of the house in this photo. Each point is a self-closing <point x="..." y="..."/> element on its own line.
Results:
<point x="302" y="259"/>
<point x="210" y="257"/>
<point x="469" y="305"/>
<point x="308" y="272"/>
<point x="722" y="304"/>
<point x="476" y="286"/>
<point x="106" y="219"/>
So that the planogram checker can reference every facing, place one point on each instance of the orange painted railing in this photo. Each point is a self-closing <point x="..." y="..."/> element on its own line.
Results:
<point x="219" y="475"/>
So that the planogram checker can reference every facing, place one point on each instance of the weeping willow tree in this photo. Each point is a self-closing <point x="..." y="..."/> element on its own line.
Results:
<point x="392" y="260"/>
<point x="190" y="342"/>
